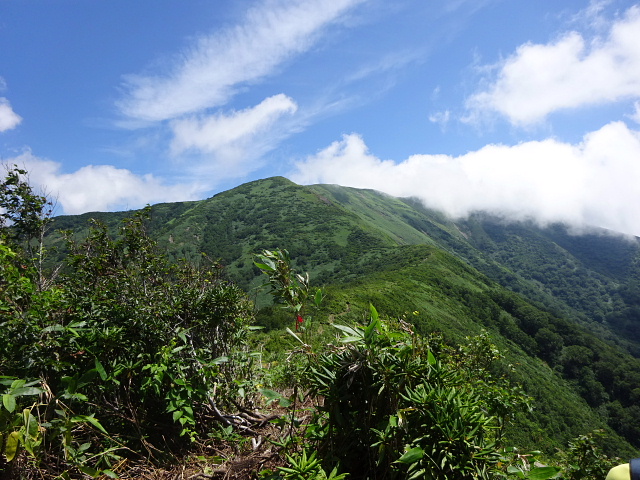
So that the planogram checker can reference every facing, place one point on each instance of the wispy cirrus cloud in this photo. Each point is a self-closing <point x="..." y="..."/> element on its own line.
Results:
<point x="228" y="135"/>
<point x="570" y="72"/>
<point x="595" y="182"/>
<point x="217" y="65"/>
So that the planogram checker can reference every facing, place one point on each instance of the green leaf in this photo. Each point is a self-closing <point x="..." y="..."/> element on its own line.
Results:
<point x="349" y="331"/>
<point x="294" y="335"/>
<point x="17" y="384"/>
<point x="317" y="299"/>
<point x="9" y="402"/>
<point x="92" y="472"/>
<point x="27" y="391"/>
<point x="11" y="448"/>
<point x="220" y="360"/>
<point x="374" y="313"/>
<point x="350" y="339"/>
<point x="267" y="265"/>
<point x="370" y="331"/>
<point x="88" y="419"/>
<point x="272" y="396"/>
<point x="100" y="370"/>
<point x="411" y="456"/>
<point x="542" y="473"/>
<point x="515" y="470"/>
<point x="431" y="358"/>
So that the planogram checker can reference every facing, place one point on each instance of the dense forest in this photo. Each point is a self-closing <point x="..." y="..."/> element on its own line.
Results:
<point x="279" y="331"/>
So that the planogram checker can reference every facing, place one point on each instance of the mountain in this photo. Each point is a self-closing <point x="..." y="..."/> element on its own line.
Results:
<point x="564" y="308"/>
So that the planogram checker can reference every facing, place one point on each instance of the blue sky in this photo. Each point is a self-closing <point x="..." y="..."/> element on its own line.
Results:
<point x="526" y="109"/>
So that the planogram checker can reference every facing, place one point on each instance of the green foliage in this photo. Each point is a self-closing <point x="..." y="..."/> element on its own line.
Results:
<point x="287" y="287"/>
<point x="303" y="467"/>
<point x="23" y="213"/>
<point x="393" y="409"/>
<point x="584" y="458"/>
<point x="120" y="340"/>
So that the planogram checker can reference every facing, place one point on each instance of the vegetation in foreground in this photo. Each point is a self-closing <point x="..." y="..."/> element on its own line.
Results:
<point x="120" y="360"/>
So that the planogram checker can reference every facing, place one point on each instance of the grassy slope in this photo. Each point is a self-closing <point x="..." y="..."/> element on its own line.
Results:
<point x="438" y="293"/>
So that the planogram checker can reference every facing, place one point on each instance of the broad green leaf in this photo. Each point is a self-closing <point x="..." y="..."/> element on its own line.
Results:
<point x="350" y="339"/>
<point x="27" y="391"/>
<point x="374" y="313"/>
<point x="272" y="396"/>
<point x="92" y="472"/>
<point x="11" y="448"/>
<point x="294" y="335"/>
<point x="515" y="470"/>
<point x="370" y="330"/>
<point x="100" y="370"/>
<point x="220" y="360"/>
<point x="430" y="358"/>
<point x="267" y="265"/>
<point x="88" y="419"/>
<point x="17" y="384"/>
<point x="543" y="473"/>
<point x="318" y="297"/>
<point x="411" y="456"/>
<point x="349" y="331"/>
<point x="9" y="402"/>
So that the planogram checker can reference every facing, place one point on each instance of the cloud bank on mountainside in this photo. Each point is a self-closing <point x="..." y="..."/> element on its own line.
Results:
<point x="596" y="182"/>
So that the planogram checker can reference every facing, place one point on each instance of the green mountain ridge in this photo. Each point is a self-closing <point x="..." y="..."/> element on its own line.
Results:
<point x="564" y="308"/>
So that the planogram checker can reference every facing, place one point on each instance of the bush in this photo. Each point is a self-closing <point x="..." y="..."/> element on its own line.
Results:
<point x="120" y="341"/>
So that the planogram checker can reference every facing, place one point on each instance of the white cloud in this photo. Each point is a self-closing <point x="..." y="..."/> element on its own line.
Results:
<point x="596" y="182"/>
<point x="568" y="73"/>
<point x="635" y="116"/>
<point x="100" y="187"/>
<point x="209" y="74"/>
<point x="440" y="118"/>
<point x="229" y="136"/>
<point x="8" y="118"/>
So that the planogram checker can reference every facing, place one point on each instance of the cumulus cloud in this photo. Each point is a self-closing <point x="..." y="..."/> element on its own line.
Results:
<point x="595" y="182"/>
<point x="568" y="73"/>
<point x="8" y="118"/>
<point x="210" y="73"/>
<point x="100" y="187"/>
<point x="230" y="137"/>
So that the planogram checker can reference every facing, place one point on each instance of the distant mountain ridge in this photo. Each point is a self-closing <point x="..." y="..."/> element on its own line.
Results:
<point x="566" y="308"/>
<point x="592" y="277"/>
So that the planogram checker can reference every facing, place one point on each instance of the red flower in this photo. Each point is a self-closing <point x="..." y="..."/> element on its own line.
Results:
<point x="299" y="320"/>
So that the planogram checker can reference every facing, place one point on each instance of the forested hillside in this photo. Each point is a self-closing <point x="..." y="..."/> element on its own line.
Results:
<point x="558" y="308"/>
<point x="591" y="278"/>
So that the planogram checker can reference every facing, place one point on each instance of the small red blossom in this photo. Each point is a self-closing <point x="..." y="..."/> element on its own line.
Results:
<point x="299" y="320"/>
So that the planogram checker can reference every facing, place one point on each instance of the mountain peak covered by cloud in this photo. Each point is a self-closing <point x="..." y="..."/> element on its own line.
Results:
<point x="366" y="93"/>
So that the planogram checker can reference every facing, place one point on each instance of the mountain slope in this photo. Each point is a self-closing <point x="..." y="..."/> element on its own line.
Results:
<point x="576" y="295"/>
